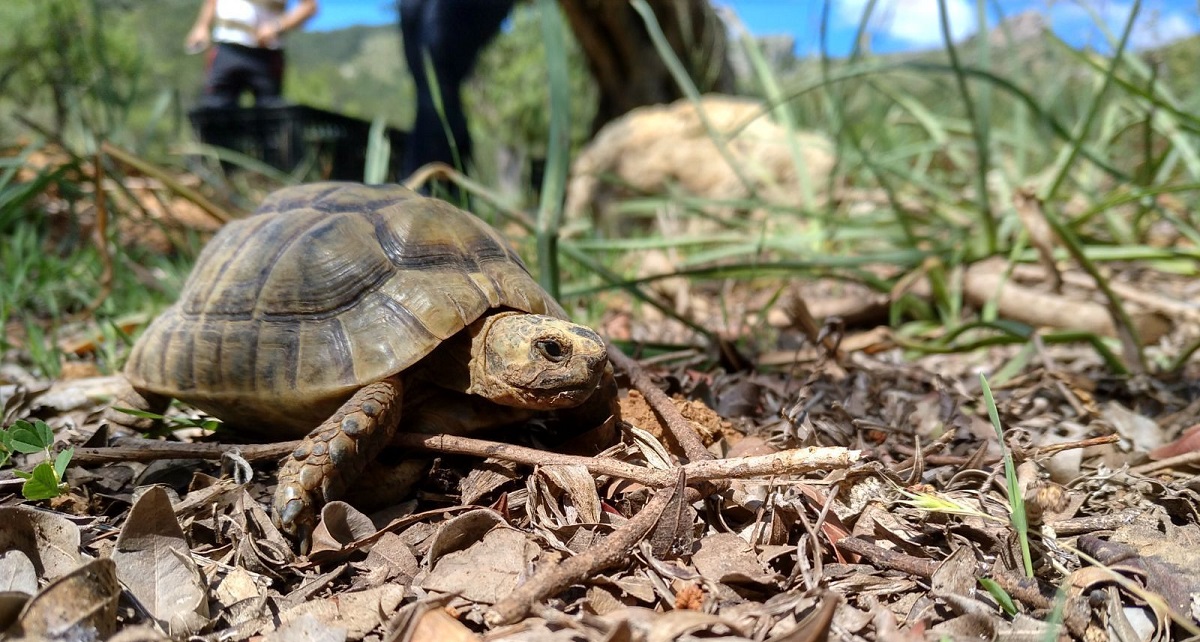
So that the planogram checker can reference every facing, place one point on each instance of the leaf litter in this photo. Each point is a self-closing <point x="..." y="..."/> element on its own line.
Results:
<point x="908" y="536"/>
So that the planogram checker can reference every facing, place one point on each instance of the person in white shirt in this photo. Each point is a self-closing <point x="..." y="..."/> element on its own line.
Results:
<point x="248" y="54"/>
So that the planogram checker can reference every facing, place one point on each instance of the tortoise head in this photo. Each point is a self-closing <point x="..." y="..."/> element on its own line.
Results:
<point x="535" y="361"/>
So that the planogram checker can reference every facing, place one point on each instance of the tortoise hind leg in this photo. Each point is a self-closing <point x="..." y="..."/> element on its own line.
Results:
<point x="333" y="455"/>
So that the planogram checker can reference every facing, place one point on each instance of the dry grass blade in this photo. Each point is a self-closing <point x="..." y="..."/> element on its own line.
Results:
<point x="149" y="169"/>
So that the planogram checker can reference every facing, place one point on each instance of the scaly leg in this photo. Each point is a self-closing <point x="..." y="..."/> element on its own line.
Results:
<point x="333" y="455"/>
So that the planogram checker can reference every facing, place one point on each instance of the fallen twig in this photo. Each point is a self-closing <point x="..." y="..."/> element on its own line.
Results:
<point x="139" y="449"/>
<point x="666" y="410"/>
<point x="608" y="553"/>
<point x="1178" y="461"/>
<point x="888" y="558"/>
<point x="986" y="280"/>
<point x="787" y="462"/>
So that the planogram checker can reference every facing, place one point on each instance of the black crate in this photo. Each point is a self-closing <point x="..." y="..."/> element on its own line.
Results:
<point x="286" y="136"/>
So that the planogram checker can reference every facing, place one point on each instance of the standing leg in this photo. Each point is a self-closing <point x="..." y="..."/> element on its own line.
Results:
<point x="266" y="77"/>
<point x="450" y="33"/>
<point x="221" y="79"/>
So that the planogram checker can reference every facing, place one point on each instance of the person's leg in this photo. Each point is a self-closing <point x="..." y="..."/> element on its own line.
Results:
<point x="221" y="83"/>
<point x="426" y="140"/>
<point x="266" y="77"/>
<point x="451" y="33"/>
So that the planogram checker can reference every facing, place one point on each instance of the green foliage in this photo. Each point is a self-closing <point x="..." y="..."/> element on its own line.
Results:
<point x="53" y="268"/>
<point x="999" y="594"/>
<point x="45" y="481"/>
<point x="67" y="68"/>
<point x="1017" y="515"/>
<point x="173" y="423"/>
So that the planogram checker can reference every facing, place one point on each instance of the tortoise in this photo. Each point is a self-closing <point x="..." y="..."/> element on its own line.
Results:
<point x="339" y="309"/>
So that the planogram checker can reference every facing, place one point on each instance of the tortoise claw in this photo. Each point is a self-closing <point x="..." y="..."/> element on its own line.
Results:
<point x="294" y="520"/>
<point x="293" y="511"/>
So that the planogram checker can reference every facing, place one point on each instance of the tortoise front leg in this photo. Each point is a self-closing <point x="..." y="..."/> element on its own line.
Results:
<point x="333" y="455"/>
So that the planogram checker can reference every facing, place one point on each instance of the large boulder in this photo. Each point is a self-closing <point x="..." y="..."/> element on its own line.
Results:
<point x="665" y="149"/>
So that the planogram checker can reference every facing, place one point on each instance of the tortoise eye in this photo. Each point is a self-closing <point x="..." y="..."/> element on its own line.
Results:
<point x="551" y="349"/>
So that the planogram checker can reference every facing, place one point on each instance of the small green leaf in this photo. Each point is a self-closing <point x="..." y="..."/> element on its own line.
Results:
<point x="1000" y="595"/>
<point x="25" y="440"/>
<point x="61" y="461"/>
<point x="22" y="474"/>
<point x="44" y="433"/>
<point x="139" y="413"/>
<point x="42" y="484"/>
<point x="210" y="425"/>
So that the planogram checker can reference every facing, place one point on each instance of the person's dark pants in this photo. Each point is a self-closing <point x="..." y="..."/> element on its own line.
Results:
<point x="451" y="33"/>
<point x="233" y="69"/>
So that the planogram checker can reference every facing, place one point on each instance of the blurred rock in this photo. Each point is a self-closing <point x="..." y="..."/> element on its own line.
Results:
<point x="666" y="149"/>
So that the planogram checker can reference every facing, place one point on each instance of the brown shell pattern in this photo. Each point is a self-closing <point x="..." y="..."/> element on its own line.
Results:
<point x="327" y="288"/>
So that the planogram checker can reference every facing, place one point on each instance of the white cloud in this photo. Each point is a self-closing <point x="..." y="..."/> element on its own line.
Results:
<point x="1156" y="30"/>
<point x="914" y="22"/>
<point x="1157" y="24"/>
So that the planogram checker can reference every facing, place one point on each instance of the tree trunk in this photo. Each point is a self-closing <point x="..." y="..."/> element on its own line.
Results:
<point x="627" y="67"/>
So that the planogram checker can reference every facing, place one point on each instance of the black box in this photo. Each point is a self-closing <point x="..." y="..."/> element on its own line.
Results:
<point x="286" y="136"/>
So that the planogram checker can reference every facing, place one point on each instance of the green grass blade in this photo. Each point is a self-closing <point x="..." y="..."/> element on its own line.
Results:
<point x="554" y="183"/>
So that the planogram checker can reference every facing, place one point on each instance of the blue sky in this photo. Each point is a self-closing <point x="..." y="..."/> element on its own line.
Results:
<point x="897" y="25"/>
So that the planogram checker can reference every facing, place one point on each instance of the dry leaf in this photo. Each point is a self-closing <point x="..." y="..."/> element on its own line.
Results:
<point x="341" y="525"/>
<point x="237" y="585"/>
<point x="1142" y="432"/>
<point x="154" y="562"/>
<point x="306" y="628"/>
<point x="139" y="633"/>
<point x="426" y="620"/>
<point x="1165" y="558"/>
<point x="956" y="574"/>
<point x="485" y="571"/>
<point x="357" y="613"/>
<point x="77" y="606"/>
<point x="241" y="596"/>
<point x="17" y="573"/>
<point x="565" y="495"/>
<point x="462" y="531"/>
<point x="436" y="625"/>
<point x="11" y="603"/>
<point x="725" y="558"/>
<point x="677" y="625"/>
<point x="485" y="478"/>
<point x="390" y="559"/>
<point x="49" y="540"/>
<point x="1188" y="442"/>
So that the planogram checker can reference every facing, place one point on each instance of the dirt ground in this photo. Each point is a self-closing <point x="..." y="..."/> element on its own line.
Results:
<point x="846" y="494"/>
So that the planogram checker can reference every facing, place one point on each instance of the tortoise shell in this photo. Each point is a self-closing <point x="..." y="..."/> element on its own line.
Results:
<point x="327" y="288"/>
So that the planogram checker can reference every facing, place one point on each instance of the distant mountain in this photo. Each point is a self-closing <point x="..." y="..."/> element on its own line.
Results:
<point x="359" y="71"/>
